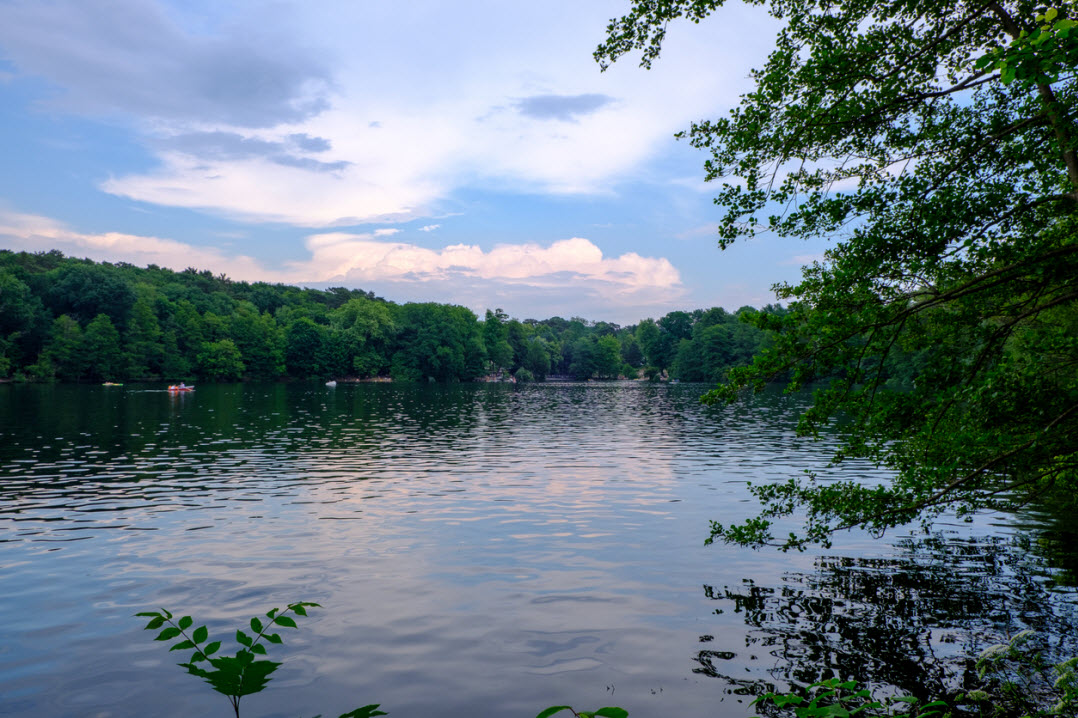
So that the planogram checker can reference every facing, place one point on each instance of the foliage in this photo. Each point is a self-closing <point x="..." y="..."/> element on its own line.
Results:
<point x="1019" y="681"/>
<point x="242" y="674"/>
<point x="172" y="324"/>
<point x="608" y="712"/>
<point x="496" y="340"/>
<point x="220" y="361"/>
<point x="841" y="699"/>
<point x="1042" y="55"/>
<point x="951" y="190"/>
<point x="437" y="342"/>
<point x="101" y="349"/>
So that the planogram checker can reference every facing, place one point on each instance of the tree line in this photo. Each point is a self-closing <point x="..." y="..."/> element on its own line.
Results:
<point x="68" y="319"/>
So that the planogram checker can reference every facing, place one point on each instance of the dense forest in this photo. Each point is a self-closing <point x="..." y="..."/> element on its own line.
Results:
<point x="71" y="319"/>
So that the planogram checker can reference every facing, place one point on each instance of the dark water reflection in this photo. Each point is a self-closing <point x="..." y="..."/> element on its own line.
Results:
<point x="478" y="550"/>
<point x="910" y="622"/>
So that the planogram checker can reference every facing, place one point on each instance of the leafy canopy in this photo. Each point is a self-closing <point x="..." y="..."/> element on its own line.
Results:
<point x="935" y="143"/>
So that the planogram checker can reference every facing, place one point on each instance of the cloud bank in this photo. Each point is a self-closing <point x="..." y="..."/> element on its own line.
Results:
<point x="571" y="274"/>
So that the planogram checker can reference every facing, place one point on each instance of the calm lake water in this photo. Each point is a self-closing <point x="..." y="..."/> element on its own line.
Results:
<point x="478" y="550"/>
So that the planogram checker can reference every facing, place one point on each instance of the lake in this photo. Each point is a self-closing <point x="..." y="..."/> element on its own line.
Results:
<point x="477" y="550"/>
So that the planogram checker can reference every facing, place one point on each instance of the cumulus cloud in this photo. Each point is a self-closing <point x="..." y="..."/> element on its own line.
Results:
<point x="362" y="257"/>
<point x="429" y="227"/>
<point x="566" y="275"/>
<point x="133" y="58"/>
<point x="562" y="107"/>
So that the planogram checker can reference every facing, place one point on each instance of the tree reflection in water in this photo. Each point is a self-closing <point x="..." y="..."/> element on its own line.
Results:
<point x="912" y="624"/>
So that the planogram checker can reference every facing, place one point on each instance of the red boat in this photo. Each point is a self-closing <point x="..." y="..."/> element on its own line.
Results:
<point x="176" y="388"/>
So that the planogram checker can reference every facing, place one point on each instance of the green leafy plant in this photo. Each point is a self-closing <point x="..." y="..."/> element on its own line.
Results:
<point x="842" y="699"/>
<point x="607" y="712"/>
<point x="241" y="674"/>
<point x="1019" y="680"/>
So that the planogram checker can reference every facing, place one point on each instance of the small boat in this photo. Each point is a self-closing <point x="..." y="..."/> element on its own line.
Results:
<point x="111" y="383"/>
<point x="332" y="382"/>
<point x="176" y="388"/>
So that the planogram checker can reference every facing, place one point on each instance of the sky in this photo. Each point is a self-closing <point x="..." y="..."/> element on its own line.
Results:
<point x="467" y="152"/>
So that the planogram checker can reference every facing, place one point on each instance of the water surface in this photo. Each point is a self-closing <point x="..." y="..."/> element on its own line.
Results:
<point x="478" y="549"/>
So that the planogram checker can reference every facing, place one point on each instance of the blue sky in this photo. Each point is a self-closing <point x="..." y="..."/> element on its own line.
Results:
<point x="467" y="152"/>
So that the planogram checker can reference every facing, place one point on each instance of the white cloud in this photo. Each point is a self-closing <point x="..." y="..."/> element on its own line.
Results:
<point x="418" y="104"/>
<point x="429" y="227"/>
<point x="361" y="257"/>
<point x="570" y="274"/>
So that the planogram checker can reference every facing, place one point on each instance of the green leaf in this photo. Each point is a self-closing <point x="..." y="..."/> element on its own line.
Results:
<point x="182" y="646"/>
<point x="243" y="638"/>
<point x="274" y="638"/>
<point x="256" y="625"/>
<point x="185" y="623"/>
<point x="168" y="634"/>
<point x="546" y="713"/>
<point x="200" y="634"/>
<point x="299" y="609"/>
<point x="612" y="712"/>
<point x="365" y="712"/>
<point x="211" y="648"/>
<point x="259" y="649"/>
<point x="155" y="623"/>
<point x="284" y="621"/>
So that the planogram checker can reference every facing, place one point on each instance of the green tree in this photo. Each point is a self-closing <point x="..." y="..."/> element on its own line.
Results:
<point x="437" y="342"/>
<point x="537" y="360"/>
<point x="517" y="336"/>
<point x="84" y="290"/>
<point x="495" y="340"/>
<point x="304" y="349"/>
<point x="631" y="352"/>
<point x="175" y="364"/>
<point x="949" y="179"/>
<point x="220" y="361"/>
<point x="63" y="354"/>
<point x="369" y="333"/>
<point x="259" y="340"/>
<point x="648" y="336"/>
<point x="582" y="358"/>
<point x="101" y="349"/>
<point x="186" y="324"/>
<point x="608" y="357"/>
<point x="142" y="338"/>
<point x="19" y="311"/>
